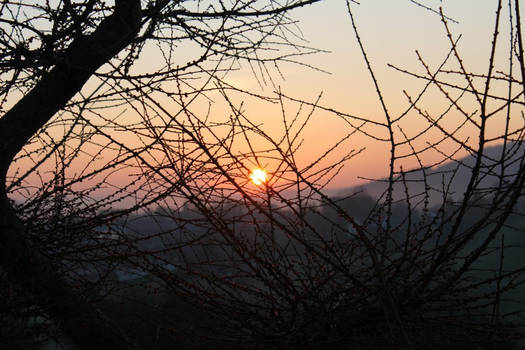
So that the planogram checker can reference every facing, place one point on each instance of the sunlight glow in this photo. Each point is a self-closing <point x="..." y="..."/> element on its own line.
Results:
<point x="258" y="176"/>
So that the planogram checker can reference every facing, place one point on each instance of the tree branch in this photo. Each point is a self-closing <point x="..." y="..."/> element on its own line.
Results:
<point x="19" y="256"/>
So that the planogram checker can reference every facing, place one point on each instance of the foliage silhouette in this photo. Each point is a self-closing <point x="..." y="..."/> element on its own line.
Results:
<point x="128" y="219"/>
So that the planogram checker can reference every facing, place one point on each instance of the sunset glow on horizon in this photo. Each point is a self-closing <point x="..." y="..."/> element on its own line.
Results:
<point x="328" y="128"/>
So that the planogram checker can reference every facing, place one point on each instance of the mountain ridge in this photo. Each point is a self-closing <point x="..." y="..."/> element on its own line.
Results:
<point x="450" y="178"/>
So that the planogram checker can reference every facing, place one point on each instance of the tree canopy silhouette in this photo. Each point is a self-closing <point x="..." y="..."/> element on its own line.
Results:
<point x="128" y="218"/>
<point x="49" y="51"/>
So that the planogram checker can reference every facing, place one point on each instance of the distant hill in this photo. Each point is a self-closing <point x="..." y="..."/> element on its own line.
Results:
<point x="454" y="175"/>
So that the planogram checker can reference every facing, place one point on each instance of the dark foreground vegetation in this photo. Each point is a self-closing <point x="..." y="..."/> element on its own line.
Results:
<point x="196" y="292"/>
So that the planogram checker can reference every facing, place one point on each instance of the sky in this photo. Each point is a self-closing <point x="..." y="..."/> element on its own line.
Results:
<point x="391" y="31"/>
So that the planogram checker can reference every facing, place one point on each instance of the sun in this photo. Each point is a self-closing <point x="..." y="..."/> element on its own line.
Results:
<point x="259" y="176"/>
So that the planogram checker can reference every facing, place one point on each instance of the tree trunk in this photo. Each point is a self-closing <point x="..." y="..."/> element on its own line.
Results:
<point x="21" y="258"/>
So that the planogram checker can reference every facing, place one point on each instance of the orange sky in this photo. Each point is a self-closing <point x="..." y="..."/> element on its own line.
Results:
<point x="391" y="31"/>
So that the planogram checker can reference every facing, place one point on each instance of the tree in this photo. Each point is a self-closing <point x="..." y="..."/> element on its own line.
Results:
<point x="49" y="52"/>
<point x="281" y="265"/>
